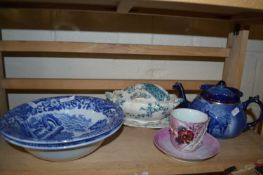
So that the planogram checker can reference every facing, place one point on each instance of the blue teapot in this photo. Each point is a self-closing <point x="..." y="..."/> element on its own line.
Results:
<point x="222" y="104"/>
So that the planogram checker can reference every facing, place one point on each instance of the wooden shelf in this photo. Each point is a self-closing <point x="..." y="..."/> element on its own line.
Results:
<point x="131" y="151"/>
<point x="206" y="8"/>
<point x="74" y="84"/>
<point x="99" y="48"/>
<point x="120" y="49"/>
<point x="198" y="17"/>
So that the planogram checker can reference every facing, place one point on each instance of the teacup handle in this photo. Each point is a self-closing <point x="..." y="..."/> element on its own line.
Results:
<point x="245" y="105"/>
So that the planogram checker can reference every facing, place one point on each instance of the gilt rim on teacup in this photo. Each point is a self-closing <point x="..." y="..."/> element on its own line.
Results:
<point x="202" y="114"/>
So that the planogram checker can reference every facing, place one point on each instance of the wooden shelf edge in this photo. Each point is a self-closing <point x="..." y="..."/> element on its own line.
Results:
<point x="252" y="4"/>
<point x="90" y="84"/>
<point x="102" y="48"/>
<point x="128" y="142"/>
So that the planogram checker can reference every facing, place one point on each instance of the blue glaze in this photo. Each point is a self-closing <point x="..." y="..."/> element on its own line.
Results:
<point x="61" y="119"/>
<point x="222" y="104"/>
<point x="61" y="146"/>
<point x="221" y="93"/>
<point x="225" y="121"/>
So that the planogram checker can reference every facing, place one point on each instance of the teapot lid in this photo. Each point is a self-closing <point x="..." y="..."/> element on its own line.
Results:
<point x="220" y="93"/>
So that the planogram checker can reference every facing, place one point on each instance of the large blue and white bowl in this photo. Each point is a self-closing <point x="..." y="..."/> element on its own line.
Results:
<point x="61" y="119"/>
<point x="61" y="128"/>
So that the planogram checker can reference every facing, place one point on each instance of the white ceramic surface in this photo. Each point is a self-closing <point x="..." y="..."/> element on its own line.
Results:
<point x="65" y="154"/>
<point x="64" y="151"/>
<point x="144" y="101"/>
<point x="162" y="123"/>
<point x="189" y="115"/>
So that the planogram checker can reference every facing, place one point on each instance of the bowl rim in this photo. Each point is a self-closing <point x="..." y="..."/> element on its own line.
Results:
<point x="81" y="143"/>
<point x="120" y="120"/>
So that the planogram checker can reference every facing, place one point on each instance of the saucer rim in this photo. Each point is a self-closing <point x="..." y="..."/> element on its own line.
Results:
<point x="157" y="145"/>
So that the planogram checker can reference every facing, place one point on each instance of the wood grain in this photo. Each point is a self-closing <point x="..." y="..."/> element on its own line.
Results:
<point x="131" y="151"/>
<point x="248" y="4"/>
<point x="54" y="19"/>
<point x="125" y="6"/>
<point x="98" y="48"/>
<point x="233" y="67"/>
<point x="3" y="95"/>
<point x="75" y="84"/>
<point x="242" y="4"/>
<point x="12" y="18"/>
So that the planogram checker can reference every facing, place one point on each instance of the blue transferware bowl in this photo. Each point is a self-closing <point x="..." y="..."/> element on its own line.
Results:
<point x="62" y="119"/>
<point x="64" y="151"/>
<point x="63" y="146"/>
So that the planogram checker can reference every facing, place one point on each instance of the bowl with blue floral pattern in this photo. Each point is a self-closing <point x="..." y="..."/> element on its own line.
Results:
<point x="64" y="151"/>
<point x="144" y="102"/>
<point x="63" y="119"/>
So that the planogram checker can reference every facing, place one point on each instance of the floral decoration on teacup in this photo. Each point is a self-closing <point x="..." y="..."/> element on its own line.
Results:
<point x="187" y="128"/>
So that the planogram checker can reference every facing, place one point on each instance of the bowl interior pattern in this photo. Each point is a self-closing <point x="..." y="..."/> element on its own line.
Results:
<point x="61" y="119"/>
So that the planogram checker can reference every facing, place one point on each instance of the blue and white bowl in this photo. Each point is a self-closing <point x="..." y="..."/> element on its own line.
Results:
<point x="61" y="128"/>
<point x="61" y="119"/>
<point x="64" y="151"/>
<point x="62" y="146"/>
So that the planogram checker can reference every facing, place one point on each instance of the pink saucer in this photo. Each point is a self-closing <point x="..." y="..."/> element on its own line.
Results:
<point x="209" y="148"/>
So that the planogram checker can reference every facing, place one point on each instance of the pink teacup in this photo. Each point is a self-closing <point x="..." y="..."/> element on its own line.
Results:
<point x="187" y="128"/>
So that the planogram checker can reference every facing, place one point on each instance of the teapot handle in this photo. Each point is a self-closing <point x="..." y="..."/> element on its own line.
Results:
<point x="245" y="105"/>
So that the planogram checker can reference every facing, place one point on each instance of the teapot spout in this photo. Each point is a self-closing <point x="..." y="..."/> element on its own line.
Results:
<point x="180" y="89"/>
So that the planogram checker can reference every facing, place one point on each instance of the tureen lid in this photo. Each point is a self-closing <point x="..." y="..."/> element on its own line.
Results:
<point x="221" y="93"/>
